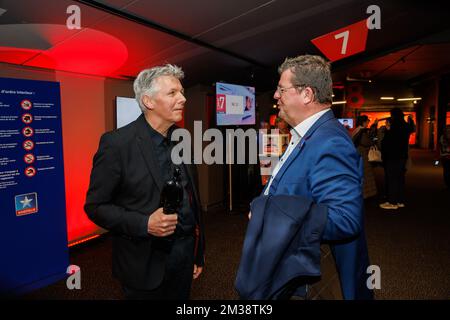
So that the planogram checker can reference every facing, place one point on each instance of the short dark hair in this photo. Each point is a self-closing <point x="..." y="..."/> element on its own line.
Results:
<point x="311" y="71"/>
<point x="361" y="119"/>
<point x="397" y="115"/>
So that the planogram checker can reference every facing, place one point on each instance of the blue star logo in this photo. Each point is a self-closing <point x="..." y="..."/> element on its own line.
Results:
<point x="26" y="204"/>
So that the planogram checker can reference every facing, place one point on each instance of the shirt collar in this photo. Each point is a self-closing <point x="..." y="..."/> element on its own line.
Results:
<point x="157" y="137"/>
<point x="302" y="128"/>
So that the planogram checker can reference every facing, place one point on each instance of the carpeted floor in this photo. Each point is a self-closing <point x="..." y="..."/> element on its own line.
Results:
<point x="410" y="245"/>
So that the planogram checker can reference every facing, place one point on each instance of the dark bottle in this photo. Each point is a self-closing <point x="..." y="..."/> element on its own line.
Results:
<point x="170" y="201"/>
<point x="172" y="193"/>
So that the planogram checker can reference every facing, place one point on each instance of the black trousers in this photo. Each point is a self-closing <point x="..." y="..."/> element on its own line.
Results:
<point x="177" y="281"/>
<point x="446" y="169"/>
<point x="394" y="175"/>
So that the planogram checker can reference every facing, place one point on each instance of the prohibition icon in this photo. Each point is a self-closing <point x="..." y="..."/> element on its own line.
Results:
<point x="26" y="104"/>
<point x="27" y="131"/>
<point x="28" y="145"/>
<point x="27" y="118"/>
<point x="29" y="158"/>
<point x="30" y="172"/>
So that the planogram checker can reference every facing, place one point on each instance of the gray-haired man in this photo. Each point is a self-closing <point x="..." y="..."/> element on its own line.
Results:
<point x="129" y="171"/>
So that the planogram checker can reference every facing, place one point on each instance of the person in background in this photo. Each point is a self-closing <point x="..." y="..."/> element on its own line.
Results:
<point x="283" y="129"/>
<point x="248" y="103"/>
<point x="282" y="126"/>
<point x="381" y="131"/>
<point x="346" y="124"/>
<point x="264" y="125"/>
<point x="263" y="162"/>
<point x="363" y="139"/>
<point x="411" y="124"/>
<point x="130" y="169"/>
<point x="444" y="148"/>
<point x="412" y="129"/>
<point x="394" y="150"/>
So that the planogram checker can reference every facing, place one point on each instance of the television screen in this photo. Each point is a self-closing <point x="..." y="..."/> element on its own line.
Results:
<point x="235" y="104"/>
<point x="347" y="122"/>
<point x="127" y="110"/>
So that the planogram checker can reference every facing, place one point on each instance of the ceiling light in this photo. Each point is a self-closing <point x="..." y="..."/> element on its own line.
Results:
<point x="409" y="99"/>
<point x="274" y="106"/>
<point x="339" y="102"/>
<point x="386" y="98"/>
<point x="357" y="79"/>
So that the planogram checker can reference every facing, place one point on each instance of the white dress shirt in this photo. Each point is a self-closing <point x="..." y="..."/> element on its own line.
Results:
<point x="296" y="135"/>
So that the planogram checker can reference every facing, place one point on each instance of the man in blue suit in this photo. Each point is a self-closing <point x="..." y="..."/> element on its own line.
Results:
<point x="322" y="164"/>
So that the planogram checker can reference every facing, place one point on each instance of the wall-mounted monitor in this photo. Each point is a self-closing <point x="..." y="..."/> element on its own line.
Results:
<point x="347" y="122"/>
<point x="235" y="104"/>
<point x="127" y="110"/>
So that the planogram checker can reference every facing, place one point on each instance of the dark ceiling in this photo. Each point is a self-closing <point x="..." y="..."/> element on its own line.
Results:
<point x="235" y="41"/>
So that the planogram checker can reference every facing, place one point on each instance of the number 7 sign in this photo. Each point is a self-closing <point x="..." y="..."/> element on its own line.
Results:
<point x="344" y="42"/>
<point x="221" y="105"/>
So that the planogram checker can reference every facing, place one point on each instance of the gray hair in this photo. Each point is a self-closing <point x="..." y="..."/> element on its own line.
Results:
<point x="311" y="71"/>
<point x="144" y="84"/>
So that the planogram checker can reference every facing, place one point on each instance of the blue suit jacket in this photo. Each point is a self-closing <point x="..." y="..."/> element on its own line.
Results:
<point x="326" y="168"/>
<point x="282" y="247"/>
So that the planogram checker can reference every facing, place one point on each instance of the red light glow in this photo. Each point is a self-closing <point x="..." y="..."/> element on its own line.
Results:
<point x="90" y="52"/>
<point x="17" y="55"/>
<point x="87" y="51"/>
<point x="82" y="241"/>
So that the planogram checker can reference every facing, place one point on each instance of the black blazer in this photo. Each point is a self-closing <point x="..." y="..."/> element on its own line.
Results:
<point x="124" y="190"/>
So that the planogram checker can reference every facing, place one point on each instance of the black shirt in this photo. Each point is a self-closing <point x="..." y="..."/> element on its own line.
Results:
<point x="186" y="215"/>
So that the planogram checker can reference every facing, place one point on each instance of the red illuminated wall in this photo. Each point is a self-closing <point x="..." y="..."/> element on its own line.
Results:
<point x="82" y="125"/>
<point x="381" y="116"/>
<point x="87" y="105"/>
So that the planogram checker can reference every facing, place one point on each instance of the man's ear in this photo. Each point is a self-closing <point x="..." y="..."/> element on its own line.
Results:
<point x="308" y="95"/>
<point x="147" y="102"/>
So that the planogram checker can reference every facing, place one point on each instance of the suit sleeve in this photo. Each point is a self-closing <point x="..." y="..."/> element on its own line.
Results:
<point x="104" y="184"/>
<point x="336" y="181"/>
